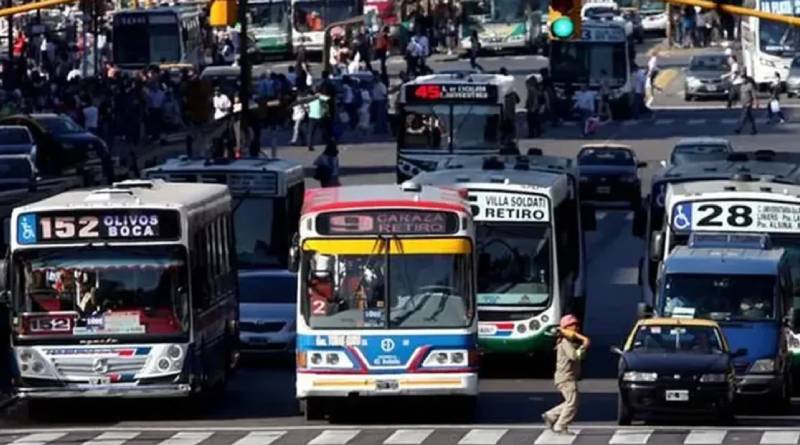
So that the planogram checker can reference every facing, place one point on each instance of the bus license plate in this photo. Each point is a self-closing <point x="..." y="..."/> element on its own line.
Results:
<point x="677" y="396"/>
<point x="387" y="385"/>
<point x="99" y="381"/>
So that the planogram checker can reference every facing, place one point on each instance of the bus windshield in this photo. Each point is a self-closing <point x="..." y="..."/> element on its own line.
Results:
<point x="720" y="297"/>
<point x="254" y="220"/>
<point x="778" y="39"/>
<point x="514" y="264"/>
<point x="316" y="15"/>
<point x="380" y="291"/>
<point x="473" y="8"/>
<point x="585" y="62"/>
<point x="268" y="15"/>
<point x="469" y="127"/>
<point x="508" y="10"/>
<point x="103" y="291"/>
<point x="160" y="44"/>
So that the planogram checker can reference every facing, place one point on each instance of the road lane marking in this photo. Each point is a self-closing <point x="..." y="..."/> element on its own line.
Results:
<point x="113" y="438"/>
<point x="630" y="436"/>
<point x="482" y="437"/>
<point x="187" y="438"/>
<point x="626" y="276"/>
<point x="664" y="121"/>
<point x="705" y="437"/>
<point x="780" y="437"/>
<point x="39" y="438"/>
<point x="408" y="437"/>
<point x="260" y="438"/>
<point x="334" y="437"/>
<point x="549" y="437"/>
<point x="696" y="121"/>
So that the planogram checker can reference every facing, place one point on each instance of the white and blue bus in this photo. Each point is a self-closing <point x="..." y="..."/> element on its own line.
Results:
<point x="386" y="296"/>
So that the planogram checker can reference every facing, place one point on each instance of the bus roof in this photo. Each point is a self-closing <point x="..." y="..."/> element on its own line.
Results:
<point x="133" y="194"/>
<point x="701" y="189"/>
<point x="781" y="167"/>
<point x="479" y="176"/>
<point x="407" y="195"/>
<point x="541" y="163"/>
<point x="731" y="261"/>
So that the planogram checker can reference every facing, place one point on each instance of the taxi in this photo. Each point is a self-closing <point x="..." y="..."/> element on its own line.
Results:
<point x="676" y="366"/>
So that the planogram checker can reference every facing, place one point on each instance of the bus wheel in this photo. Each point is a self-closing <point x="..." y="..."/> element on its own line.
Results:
<point x="313" y="408"/>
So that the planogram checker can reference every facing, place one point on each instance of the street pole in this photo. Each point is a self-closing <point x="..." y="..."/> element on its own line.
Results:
<point x="246" y="75"/>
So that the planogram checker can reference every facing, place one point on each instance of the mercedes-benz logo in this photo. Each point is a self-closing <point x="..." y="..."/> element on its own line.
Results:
<point x="100" y="366"/>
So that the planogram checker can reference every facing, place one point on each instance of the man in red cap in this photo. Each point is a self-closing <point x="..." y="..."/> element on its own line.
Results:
<point x="568" y="359"/>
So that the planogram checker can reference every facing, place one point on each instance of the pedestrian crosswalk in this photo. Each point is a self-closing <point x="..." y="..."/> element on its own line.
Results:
<point x="693" y="122"/>
<point x="484" y="435"/>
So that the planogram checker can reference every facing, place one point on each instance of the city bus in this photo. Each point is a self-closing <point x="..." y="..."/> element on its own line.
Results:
<point x="165" y="36"/>
<point x="602" y="52"/>
<point x="125" y="291"/>
<point x="270" y="26"/>
<point x="769" y="47"/>
<point x="267" y="194"/>
<point x="453" y="114"/>
<point x="310" y="17"/>
<point x="504" y="24"/>
<point x="386" y="296"/>
<point x="530" y="247"/>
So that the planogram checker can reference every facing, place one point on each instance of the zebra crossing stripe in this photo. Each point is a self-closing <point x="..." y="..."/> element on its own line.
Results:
<point x="334" y="437"/>
<point x="780" y="437"/>
<point x="38" y="438"/>
<point x="187" y="438"/>
<point x="113" y="438"/>
<point x="260" y="438"/>
<point x="549" y="437"/>
<point x="696" y="121"/>
<point x="482" y="437"/>
<point x="630" y="437"/>
<point x="408" y="437"/>
<point x="705" y="437"/>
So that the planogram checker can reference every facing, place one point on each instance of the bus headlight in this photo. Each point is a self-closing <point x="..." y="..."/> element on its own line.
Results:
<point x="521" y="329"/>
<point x="174" y="352"/>
<point x="767" y="62"/>
<point x="33" y="364"/>
<point x="329" y="360"/>
<point x="165" y="359"/>
<point x="446" y="358"/>
<point x="316" y="359"/>
<point x="535" y="325"/>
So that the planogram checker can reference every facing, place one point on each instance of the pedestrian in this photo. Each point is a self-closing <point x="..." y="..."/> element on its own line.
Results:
<point x="327" y="166"/>
<point x="412" y="55"/>
<point x="382" y="46"/>
<point x="774" y="106"/>
<point x="90" y="116"/>
<point x="532" y="107"/>
<point x="299" y="114"/>
<point x="364" y="107"/>
<point x="317" y="109"/>
<point x="222" y="104"/>
<point x="380" y="101"/>
<point x="639" y="88"/>
<point x="652" y="74"/>
<point x="584" y="104"/>
<point x="474" y="48"/>
<point x="749" y="100"/>
<point x="733" y="76"/>
<point x="567" y="373"/>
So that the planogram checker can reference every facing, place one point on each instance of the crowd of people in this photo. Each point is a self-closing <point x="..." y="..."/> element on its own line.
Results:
<point x="696" y="27"/>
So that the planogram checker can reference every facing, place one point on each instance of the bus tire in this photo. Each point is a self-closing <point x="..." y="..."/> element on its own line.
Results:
<point x="313" y="408"/>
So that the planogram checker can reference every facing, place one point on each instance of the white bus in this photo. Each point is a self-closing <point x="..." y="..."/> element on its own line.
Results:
<point x="386" y="296"/>
<point x="530" y="247"/>
<point x="769" y="47"/>
<point x="267" y="194"/>
<point x="310" y="17"/>
<point x="270" y="26"/>
<point x="165" y="36"/>
<point x="504" y="24"/>
<point x="126" y="291"/>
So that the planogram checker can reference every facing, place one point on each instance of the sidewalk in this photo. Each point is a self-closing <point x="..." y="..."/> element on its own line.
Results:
<point x="665" y="50"/>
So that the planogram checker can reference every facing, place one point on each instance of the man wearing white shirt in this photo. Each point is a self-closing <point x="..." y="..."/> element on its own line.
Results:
<point x="735" y="78"/>
<point x="652" y="73"/>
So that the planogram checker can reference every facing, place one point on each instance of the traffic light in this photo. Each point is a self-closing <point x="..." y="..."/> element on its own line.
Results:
<point x="564" y="19"/>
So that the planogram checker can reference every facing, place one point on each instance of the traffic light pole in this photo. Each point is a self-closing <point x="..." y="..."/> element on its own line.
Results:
<point x="738" y="10"/>
<point x="246" y="76"/>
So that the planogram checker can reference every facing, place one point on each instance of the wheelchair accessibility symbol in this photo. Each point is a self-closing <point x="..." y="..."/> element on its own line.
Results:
<point x="682" y="217"/>
<point x="26" y="229"/>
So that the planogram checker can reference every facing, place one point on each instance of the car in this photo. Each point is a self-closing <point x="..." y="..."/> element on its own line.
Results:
<point x="793" y="79"/>
<point x="610" y="173"/>
<point x="654" y="16"/>
<point x="267" y="311"/>
<point x="227" y="78"/>
<point x="65" y="148"/>
<point x="16" y="140"/>
<point x="17" y="172"/>
<point x="676" y="366"/>
<point x="703" y="77"/>
<point x="700" y="149"/>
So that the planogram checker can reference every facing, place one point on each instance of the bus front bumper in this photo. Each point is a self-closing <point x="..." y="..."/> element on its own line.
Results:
<point x="109" y="391"/>
<point x="541" y="342"/>
<point x="382" y="385"/>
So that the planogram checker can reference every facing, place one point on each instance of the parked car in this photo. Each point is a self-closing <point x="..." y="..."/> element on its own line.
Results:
<point x="704" y="77"/>
<point x="64" y="147"/>
<point x="16" y="140"/>
<point x="700" y="149"/>
<point x="793" y="79"/>
<point x="676" y="366"/>
<point x="267" y="311"/>
<point x="17" y="172"/>
<point x="610" y="173"/>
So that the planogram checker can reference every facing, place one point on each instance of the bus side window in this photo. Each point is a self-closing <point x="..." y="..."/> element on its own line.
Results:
<point x="199" y="270"/>
<point x="566" y="238"/>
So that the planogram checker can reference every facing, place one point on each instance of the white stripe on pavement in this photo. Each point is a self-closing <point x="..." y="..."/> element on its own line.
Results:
<point x="780" y="437"/>
<point x="187" y="438"/>
<point x="664" y="121"/>
<point x="549" y="437"/>
<point x="482" y="437"/>
<point x="705" y="437"/>
<point x="334" y="437"/>
<point x="696" y="121"/>
<point x="113" y="438"/>
<point x="260" y="438"/>
<point x="408" y="437"/>
<point x="630" y="436"/>
<point x="38" y="438"/>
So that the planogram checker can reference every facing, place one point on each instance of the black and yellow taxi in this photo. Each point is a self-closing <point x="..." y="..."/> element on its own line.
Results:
<point x="676" y="367"/>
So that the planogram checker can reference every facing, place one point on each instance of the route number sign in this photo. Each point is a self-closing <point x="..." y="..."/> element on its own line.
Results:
<point x="736" y="216"/>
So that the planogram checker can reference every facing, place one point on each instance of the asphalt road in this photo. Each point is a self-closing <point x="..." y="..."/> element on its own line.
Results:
<point x="259" y="405"/>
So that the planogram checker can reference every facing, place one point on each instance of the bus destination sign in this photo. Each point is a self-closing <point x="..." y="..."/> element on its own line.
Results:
<point x="511" y="207"/>
<point x="98" y="225"/>
<point x="389" y="221"/>
<point x="736" y="216"/>
<point x="451" y="93"/>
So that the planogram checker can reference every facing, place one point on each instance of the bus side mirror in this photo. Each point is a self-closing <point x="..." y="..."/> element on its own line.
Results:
<point x="639" y="221"/>
<point x="294" y="254"/>
<point x="3" y="280"/>
<point x="588" y="217"/>
<point x="657" y="246"/>
<point x="644" y="310"/>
